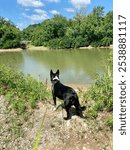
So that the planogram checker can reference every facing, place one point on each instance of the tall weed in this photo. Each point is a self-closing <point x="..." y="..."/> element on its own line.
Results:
<point x="100" y="95"/>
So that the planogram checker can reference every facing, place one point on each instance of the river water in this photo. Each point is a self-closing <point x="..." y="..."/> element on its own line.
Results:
<point x="76" y="66"/>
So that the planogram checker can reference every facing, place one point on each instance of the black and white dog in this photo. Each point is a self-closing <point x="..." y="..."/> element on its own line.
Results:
<point x="65" y="93"/>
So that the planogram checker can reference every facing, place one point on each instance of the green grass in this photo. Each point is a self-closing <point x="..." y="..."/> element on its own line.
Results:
<point x="109" y="122"/>
<point x="21" y="93"/>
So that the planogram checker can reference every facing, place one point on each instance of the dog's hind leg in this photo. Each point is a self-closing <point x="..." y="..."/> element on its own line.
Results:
<point x="60" y="105"/>
<point x="79" y="112"/>
<point x="68" y="113"/>
<point x="67" y="106"/>
<point x="78" y="109"/>
<point x="67" y="110"/>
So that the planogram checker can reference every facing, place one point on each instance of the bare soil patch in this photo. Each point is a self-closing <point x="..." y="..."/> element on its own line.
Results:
<point x="58" y="134"/>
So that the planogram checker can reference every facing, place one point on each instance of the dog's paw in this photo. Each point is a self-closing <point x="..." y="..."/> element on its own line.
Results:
<point x="55" y="108"/>
<point x="67" y="118"/>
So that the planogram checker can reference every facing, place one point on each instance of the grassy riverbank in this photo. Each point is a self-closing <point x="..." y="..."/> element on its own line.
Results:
<point x="42" y="48"/>
<point x="24" y="102"/>
<point x="31" y="48"/>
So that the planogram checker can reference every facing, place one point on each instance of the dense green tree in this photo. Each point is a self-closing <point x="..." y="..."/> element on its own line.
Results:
<point x="27" y="33"/>
<point x="51" y="29"/>
<point x="9" y="34"/>
<point x="107" y="29"/>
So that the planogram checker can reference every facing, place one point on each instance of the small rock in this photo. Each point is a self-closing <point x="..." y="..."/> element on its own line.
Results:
<point x="84" y="148"/>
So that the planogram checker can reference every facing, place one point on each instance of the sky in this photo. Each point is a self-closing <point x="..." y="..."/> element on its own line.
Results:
<point x="25" y="12"/>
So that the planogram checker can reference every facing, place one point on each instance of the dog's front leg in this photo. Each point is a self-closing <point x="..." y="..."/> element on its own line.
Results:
<point x="54" y="99"/>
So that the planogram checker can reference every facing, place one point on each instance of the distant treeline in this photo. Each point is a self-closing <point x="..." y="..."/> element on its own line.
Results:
<point x="95" y="29"/>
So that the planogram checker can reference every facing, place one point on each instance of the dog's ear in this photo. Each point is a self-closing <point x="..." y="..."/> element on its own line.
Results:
<point x="51" y="72"/>
<point x="58" y="72"/>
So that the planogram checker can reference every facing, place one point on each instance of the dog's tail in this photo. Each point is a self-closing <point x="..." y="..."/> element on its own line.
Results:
<point x="83" y="108"/>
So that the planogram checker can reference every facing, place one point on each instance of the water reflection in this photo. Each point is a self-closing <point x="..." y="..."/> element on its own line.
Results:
<point x="11" y="59"/>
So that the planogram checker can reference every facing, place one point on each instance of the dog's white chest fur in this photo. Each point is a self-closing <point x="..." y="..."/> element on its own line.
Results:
<point x="55" y="78"/>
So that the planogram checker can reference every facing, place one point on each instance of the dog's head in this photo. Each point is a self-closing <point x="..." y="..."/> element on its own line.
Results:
<point x="54" y="76"/>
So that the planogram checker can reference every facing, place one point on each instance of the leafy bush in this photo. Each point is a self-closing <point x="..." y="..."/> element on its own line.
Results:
<point x="54" y="43"/>
<point x="106" y="41"/>
<point x="22" y="92"/>
<point x="65" y="42"/>
<point x="96" y="43"/>
<point x="80" y="42"/>
<point x="101" y="92"/>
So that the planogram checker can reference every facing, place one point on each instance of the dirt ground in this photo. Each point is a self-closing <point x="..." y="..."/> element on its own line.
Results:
<point x="56" y="133"/>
